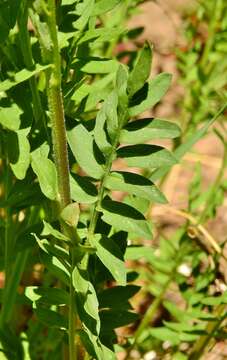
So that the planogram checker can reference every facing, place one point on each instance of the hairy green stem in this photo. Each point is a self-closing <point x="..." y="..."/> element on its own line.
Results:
<point x="55" y="101"/>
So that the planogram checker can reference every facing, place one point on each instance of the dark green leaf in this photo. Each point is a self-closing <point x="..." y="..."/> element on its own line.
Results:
<point x="49" y="296"/>
<point x="51" y="318"/>
<point x="117" y="296"/>
<point x="141" y="70"/>
<point x="49" y="230"/>
<point x="112" y="319"/>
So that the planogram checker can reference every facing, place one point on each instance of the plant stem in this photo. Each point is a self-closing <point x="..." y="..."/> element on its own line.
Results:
<point x="57" y="114"/>
<point x="212" y="326"/>
<point x="55" y="101"/>
<point x="211" y="32"/>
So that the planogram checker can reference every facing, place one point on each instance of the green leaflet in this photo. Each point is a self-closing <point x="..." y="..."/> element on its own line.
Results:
<point x="146" y="156"/>
<point x="141" y="70"/>
<point x="47" y="295"/>
<point x="165" y="334"/>
<point x="51" y="318"/>
<point x="22" y="76"/>
<point x="104" y="6"/>
<point x="10" y="117"/>
<point x="150" y="94"/>
<point x="55" y="267"/>
<point x="138" y="252"/>
<point x="49" y="230"/>
<point x="110" y="107"/>
<point x="124" y="217"/>
<point x="85" y="14"/>
<point x="100" y="133"/>
<point x="82" y="145"/>
<point x="96" y="65"/>
<point x="187" y="145"/>
<point x="134" y="184"/>
<point x="111" y="257"/>
<point x="20" y="167"/>
<point x="117" y="297"/>
<point x="86" y="299"/>
<point x="115" y="318"/>
<point x="142" y="130"/>
<point x="82" y="189"/>
<point x="100" y="35"/>
<point x="46" y="172"/>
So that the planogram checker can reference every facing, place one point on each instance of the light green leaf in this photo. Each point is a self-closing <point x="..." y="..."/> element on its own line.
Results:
<point x="82" y="190"/>
<point x="110" y="106"/>
<point x="138" y="252"/>
<point x="70" y="214"/>
<point x="46" y="172"/>
<point x="87" y="8"/>
<point x="134" y="184"/>
<point x="100" y="134"/>
<point x="146" y="156"/>
<point x="49" y="230"/>
<point x="87" y="302"/>
<point x="165" y="334"/>
<point x="96" y="65"/>
<point x="142" y="130"/>
<point x="104" y="6"/>
<point x="126" y="218"/>
<point x="22" y="76"/>
<point x="141" y="70"/>
<point x="10" y="117"/>
<point x="56" y="267"/>
<point x="101" y="35"/>
<point x="20" y="167"/>
<point x="111" y="257"/>
<point x="82" y="145"/>
<point x="150" y="94"/>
